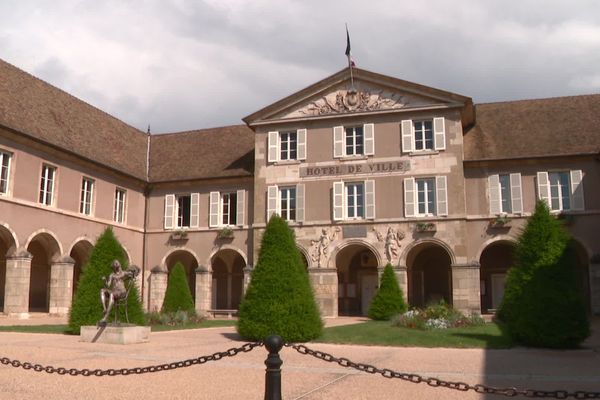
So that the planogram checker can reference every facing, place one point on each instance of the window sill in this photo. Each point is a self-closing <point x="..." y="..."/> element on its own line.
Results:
<point x="353" y="158"/>
<point x="423" y="153"/>
<point x="287" y="162"/>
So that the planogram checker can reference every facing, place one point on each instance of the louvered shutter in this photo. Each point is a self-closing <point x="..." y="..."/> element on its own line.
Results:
<point x="495" y="198"/>
<point x="272" y="192"/>
<point x="439" y="133"/>
<point x="300" y="202"/>
<point x="241" y="203"/>
<point x="441" y="195"/>
<point x="338" y="201"/>
<point x="213" y="219"/>
<point x="194" y="212"/>
<point x="516" y="194"/>
<point x="369" y="132"/>
<point x="407" y="136"/>
<point x="169" y="211"/>
<point x="577" y="202"/>
<point x="370" y="199"/>
<point x="543" y="187"/>
<point x="409" y="197"/>
<point x="273" y="146"/>
<point x="301" y="149"/>
<point x="338" y="141"/>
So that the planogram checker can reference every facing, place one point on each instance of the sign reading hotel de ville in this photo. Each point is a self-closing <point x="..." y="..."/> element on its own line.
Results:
<point x="355" y="169"/>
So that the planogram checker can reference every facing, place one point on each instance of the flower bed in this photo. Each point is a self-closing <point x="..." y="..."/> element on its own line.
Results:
<point x="436" y="316"/>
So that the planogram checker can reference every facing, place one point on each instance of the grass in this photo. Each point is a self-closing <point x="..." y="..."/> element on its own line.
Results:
<point x="209" y="323"/>
<point x="488" y="336"/>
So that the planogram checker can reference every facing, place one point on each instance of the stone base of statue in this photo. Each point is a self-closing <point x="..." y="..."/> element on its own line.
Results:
<point x="115" y="334"/>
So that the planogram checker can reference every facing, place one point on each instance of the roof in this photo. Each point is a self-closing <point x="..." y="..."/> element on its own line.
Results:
<point x="45" y="113"/>
<point x="535" y="128"/>
<point x="208" y="153"/>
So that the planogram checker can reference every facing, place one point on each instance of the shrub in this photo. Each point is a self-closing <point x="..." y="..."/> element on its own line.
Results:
<point x="178" y="296"/>
<point x="87" y="308"/>
<point x="542" y="305"/>
<point x="388" y="300"/>
<point x="279" y="299"/>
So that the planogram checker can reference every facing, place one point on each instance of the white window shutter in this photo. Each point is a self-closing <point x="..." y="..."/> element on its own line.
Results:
<point x="338" y="201"/>
<point x="543" y="187"/>
<point x="409" y="197"/>
<point x="407" y="136"/>
<point x="495" y="200"/>
<point x="577" y="202"/>
<point x="169" y="211"/>
<point x="272" y="203"/>
<point x="301" y="148"/>
<point x="370" y="199"/>
<point x="300" y="202"/>
<point x="213" y="219"/>
<point x="441" y="195"/>
<point x="516" y="194"/>
<point x="239" y="218"/>
<point x="194" y="212"/>
<point x="369" y="132"/>
<point x="338" y="141"/>
<point x="439" y="133"/>
<point x="273" y="146"/>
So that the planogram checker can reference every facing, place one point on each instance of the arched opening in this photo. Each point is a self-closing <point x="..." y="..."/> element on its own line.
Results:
<point x="495" y="261"/>
<point x="429" y="275"/>
<point x="357" y="279"/>
<point x="80" y="252"/>
<point x="189" y="263"/>
<point x="304" y="260"/>
<point x="43" y="249"/>
<point x="582" y="272"/>
<point x="227" y="280"/>
<point x="7" y="243"/>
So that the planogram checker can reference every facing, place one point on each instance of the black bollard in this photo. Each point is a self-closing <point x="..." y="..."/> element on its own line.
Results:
<point x="273" y="362"/>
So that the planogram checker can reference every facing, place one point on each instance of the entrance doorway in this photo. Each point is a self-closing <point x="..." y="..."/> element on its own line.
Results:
<point x="429" y="275"/>
<point x="357" y="279"/>
<point x="495" y="261"/>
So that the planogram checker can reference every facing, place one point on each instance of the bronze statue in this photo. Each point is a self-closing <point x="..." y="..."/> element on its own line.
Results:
<point x="114" y="288"/>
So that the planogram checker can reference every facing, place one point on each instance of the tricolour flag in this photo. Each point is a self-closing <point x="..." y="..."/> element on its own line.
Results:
<point x="348" y="53"/>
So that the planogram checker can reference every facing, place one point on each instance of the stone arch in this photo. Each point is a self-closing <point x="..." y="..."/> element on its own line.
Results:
<point x="80" y="251"/>
<point x="307" y="260"/>
<point x="163" y="262"/>
<point x="402" y="260"/>
<point x="50" y="240"/>
<point x="127" y="255"/>
<point x="227" y="266"/>
<point x="495" y="259"/>
<point x="350" y="242"/>
<point x="225" y="247"/>
<point x="8" y="246"/>
<point x="189" y="262"/>
<point x="497" y="238"/>
<point x="45" y="249"/>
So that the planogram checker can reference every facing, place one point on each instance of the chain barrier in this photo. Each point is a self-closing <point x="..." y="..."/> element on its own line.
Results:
<point x="436" y="382"/>
<point x="130" y="371"/>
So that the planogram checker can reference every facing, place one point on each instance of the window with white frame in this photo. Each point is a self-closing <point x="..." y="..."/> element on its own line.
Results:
<point x="287" y="145"/>
<point x="4" y="171"/>
<point x="505" y="194"/>
<point x="354" y="141"/>
<point x="184" y="211"/>
<point x="119" y="206"/>
<point x="354" y="200"/>
<point x="87" y="193"/>
<point x="287" y="202"/>
<point x="47" y="185"/>
<point x="181" y="211"/>
<point x="425" y="197"/>
<point x="423" y="135"/>
<point x="227" y="208"/>
<point x="562" y="190"/>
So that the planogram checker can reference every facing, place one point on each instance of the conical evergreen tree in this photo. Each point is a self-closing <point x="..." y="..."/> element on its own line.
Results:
<point x="178" y="296"/>
<point x="87" y="308"/>
<point x="279" y="299"/>
<point x="388" y="300"/>
<point x="542" y="305"/>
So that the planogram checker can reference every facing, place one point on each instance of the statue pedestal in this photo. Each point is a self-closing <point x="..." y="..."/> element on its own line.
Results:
<point x="115" y="334"/>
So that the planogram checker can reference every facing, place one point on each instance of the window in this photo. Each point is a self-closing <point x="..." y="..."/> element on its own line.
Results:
<point x="425" y="197"/>
<point x="4" y="171"/>
<point x="354" y="141"/>
<point x="120" y="197"/>
<point x="562" y="190"/>
<point x="505" y="194"/>
<point x="181" y="211"/>
<point x="87" y="192"/>
<point x="423" y="135"/>
<point x="184" y="204"/>
<point x="354" y="200"/>
<point x="287" y="145"/>
<point x="227" y="208"/>
<point x="288" y="202"/>
<point x="47" y="184"/>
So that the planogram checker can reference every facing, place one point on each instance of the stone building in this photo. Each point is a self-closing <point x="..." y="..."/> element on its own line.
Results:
<point x="368" y="170"/>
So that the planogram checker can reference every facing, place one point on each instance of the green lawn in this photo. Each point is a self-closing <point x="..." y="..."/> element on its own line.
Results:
<point x="488" y="336"/>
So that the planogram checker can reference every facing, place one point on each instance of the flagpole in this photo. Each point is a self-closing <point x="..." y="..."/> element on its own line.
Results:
<point x="348" y="54"/>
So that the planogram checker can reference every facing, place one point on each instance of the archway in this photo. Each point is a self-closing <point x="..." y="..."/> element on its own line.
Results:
<point x="44" y="249"/>
<point x="495" y="261"/>
<point x="357" y="279"/>
<point x="80" y="252"/>
<point x="429" y="274"/>
<point x="189" y="263"/>
<point x="227" y="279"/>
<point x="7" y="243"/>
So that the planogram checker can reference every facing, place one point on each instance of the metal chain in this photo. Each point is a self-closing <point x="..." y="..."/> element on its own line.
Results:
<point x="436" y="382"/>
<point x="129" y="371"/>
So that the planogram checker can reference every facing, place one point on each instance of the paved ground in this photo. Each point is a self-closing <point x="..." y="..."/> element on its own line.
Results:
<point x="303" y="376"/>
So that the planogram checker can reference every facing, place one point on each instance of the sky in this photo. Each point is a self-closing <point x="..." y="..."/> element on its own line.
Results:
<point x="180" y="65"/>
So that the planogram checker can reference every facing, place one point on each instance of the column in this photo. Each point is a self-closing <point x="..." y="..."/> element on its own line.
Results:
<point x="158" y="288"/>
<point x="401" y="273"/>
<point x="465" y="288"/>
<point x="324" y="282"/>
<point x="61" y="286"/>
<point x="16" y="292"/>
<point x="203" y="289"/>
<point x="247" y="277"/>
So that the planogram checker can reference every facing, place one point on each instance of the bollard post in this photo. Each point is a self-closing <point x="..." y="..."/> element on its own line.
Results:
<point x="273" y="362"/>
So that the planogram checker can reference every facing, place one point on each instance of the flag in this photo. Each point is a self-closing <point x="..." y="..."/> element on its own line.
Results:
<point x="348" y="53"/>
